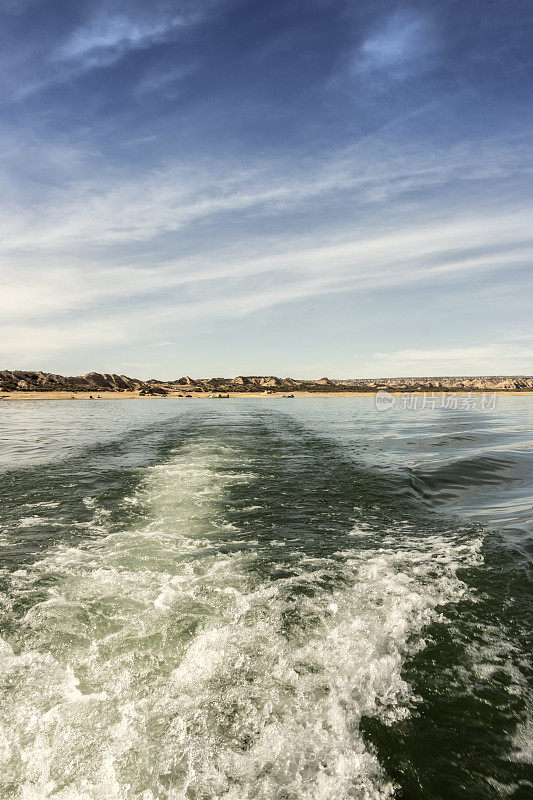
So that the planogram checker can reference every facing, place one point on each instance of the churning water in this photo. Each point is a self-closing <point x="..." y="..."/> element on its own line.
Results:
<point x="265" y="599"/>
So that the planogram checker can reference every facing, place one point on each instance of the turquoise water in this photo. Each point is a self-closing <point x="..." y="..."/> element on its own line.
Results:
<point x="265" y="599"/>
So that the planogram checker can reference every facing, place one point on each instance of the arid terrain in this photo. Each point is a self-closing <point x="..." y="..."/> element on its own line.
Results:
<point x="18" y="384"/>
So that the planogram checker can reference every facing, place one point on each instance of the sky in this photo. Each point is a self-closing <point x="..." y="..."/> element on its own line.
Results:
<point x="287" y="187"/>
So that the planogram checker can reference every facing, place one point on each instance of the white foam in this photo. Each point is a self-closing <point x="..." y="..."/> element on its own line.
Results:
<point x="31" y="522"/>
<point x="159" y="667"/>
<point x="43" y="504"/>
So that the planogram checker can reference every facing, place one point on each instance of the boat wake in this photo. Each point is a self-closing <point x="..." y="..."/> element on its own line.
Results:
<point x="184" y="658"/>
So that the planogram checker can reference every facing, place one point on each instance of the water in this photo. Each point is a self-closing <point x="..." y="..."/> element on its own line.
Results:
<point x="265" y="599"/>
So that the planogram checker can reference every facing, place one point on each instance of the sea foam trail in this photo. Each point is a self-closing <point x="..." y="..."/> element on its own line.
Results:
<point x="161" y="663"/>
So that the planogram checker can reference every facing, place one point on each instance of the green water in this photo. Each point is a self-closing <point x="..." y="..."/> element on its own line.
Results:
<point x="265" y="599"/>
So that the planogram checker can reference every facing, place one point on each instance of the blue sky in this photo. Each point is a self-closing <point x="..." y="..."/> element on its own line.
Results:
<point x="226" y="187"/>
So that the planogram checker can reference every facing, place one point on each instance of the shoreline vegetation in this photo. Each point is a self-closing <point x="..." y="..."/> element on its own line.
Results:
<point x="31" y="385"/>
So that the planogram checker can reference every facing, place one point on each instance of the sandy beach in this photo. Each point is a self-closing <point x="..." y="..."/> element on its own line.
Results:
<point x="103" y="395"/>
<point x="170" y="396"/>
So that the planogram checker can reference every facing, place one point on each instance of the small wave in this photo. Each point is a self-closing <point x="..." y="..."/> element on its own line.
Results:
<point x="445" y="482"/>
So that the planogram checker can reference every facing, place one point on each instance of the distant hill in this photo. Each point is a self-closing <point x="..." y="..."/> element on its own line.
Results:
<point x="24" y="381"/>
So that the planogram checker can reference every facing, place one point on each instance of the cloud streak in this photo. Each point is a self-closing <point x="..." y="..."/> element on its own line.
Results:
<point x="82" y="237"/>
<point x="397" y="47"/>
<point x="104" y="34"/>
<point x="106" y="38"/>
<point x="494" y="358"/>
<point x="210" y="287"/>
<point x="115" y="209"/>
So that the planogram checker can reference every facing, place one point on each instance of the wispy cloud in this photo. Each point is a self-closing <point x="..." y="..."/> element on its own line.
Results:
<point x="495" y="358"/>
<point x="400" y="44"/>
<point x="113" y="209"/>
<point x="106" y="38"/>
<point x="104" y="34"/>
<point x="165" y="82"/>
<point x="67" y="259"/>
<point x="110" y="302"/>
<point x="27" y="343"/>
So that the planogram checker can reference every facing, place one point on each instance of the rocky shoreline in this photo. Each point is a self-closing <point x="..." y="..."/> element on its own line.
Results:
<point x="30" y="381"/>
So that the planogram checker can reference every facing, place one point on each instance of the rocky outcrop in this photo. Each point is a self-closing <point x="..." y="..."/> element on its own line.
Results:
<point x="272" y="382"/>
<point x="23" y="381"/>
<point x="451" y="384"/>
<point x="49" y="382"/>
